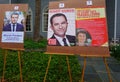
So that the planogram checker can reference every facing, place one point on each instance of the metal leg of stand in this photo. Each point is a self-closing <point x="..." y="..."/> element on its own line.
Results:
<point x="69" y="68"/>
<point x="83" y="70"/>
<point x="19" y="53"/>
<point x="5" y="55"/>
<point x="47" y="68"/>
<point x="107" y="69"/>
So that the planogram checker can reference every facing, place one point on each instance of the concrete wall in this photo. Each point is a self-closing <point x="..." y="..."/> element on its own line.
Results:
<point x="44" y="3"/>
<point x="31" y="4"/>
<point x="4" y="1"/>
<point x="14" y="1"/>
<point x="110" y="10"/>
<point x="118" y="19"/>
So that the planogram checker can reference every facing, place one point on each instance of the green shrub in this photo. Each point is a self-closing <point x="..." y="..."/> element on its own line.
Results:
<point x="115" y="51"/>
<point x="34" y="65"/>
<point x="30" y="44"/>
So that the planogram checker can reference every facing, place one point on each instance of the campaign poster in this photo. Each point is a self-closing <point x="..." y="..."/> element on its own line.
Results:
<point x="13" y="27"/>
<point x="93" y="22"/>
<point x="61" y="27"/>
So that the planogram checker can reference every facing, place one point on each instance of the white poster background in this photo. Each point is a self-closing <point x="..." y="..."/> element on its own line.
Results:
<point x="70" y="14"/>
<point x="13" y="37"/>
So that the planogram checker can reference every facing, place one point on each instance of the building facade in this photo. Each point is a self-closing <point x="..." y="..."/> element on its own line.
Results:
<point x="112" y="11"/>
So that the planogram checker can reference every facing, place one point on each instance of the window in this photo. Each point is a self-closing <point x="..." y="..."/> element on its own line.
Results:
<point x="45" y="20"/>
<point x="29" y="21"/>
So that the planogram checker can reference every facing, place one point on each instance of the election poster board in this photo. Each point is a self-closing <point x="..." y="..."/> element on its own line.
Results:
<point x="62" y="26"/>
<point x="12" y="27"/>
<point x="90" y="25"/>
<point x="93" y="20"/>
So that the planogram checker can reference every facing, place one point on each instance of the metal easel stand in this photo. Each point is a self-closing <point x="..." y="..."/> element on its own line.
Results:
<point x="19" y="59"/>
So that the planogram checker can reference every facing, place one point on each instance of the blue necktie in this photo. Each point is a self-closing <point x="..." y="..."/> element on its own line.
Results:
<point x="65" y="43"/>
<point x="13" y="27"/>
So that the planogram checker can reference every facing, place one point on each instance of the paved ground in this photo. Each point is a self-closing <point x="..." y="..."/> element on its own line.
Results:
<point x="96" y="71"/>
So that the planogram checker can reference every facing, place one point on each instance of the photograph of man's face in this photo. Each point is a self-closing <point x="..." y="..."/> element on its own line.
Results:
<point x="14" y="17"/>
<point x="14" y="21"/>
<point x="59" y="25"/>
<point x="61" y="28"/>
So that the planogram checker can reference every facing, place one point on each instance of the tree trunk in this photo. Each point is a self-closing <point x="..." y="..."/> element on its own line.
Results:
<point x="36" y="34"/>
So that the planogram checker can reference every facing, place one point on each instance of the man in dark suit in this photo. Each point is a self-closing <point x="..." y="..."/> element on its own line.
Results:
<point x="59" y="26"/>
<point x="14" y="26"/>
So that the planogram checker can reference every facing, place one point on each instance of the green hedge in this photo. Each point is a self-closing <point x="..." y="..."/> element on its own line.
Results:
<point x="34" y="65"/>
<point x="30" y="44"/>
<point x="115" y="52"/>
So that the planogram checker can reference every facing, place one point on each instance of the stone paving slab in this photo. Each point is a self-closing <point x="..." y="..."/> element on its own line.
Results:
<point x="116" y="76"/>
<point x="103" y="76"/>
<point x="92" y="78"/>
<point x="100" y="68"/>
<point x="96" y="71"/>
<point x="90" y="70"/>
<point x="114" y="67"/>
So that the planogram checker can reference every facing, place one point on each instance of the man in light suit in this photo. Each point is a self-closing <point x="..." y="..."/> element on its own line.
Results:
<point x="59" y="26"/>
<point x="14" y="26"/>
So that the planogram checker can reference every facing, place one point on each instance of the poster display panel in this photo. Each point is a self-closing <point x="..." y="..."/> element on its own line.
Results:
<point x="91" y="36"/>
<point x="93" y="22"/>
<point x="61" y="25"/>
<point x="12" y="27"/>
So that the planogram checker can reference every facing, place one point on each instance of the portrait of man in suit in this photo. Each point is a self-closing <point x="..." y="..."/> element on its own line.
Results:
<point x="13" y="25"/>
<point x="59" y="26"/>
